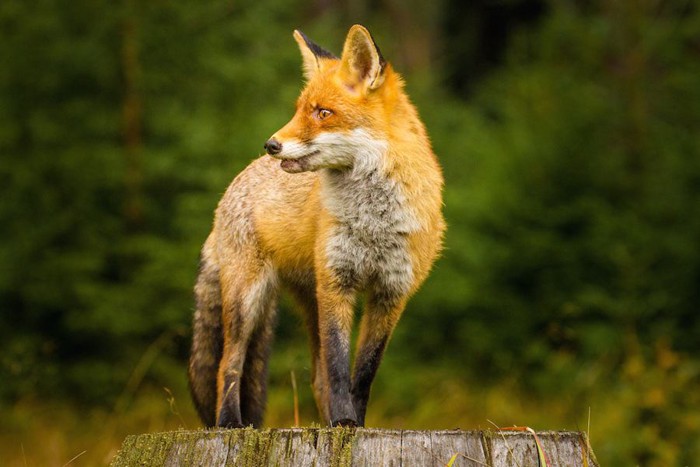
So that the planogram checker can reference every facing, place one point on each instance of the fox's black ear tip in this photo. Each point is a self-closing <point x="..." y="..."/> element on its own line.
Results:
<point x="299" y="36"/>
<point x="315" y="48"/>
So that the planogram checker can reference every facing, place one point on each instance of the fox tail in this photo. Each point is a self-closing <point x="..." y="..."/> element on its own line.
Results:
<point x="207" y="342"/>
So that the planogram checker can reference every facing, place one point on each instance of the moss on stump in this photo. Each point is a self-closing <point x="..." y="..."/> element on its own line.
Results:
<point x="344" y="447"/>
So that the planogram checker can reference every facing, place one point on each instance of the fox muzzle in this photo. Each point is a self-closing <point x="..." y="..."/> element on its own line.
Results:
<point x="272" y="146"/>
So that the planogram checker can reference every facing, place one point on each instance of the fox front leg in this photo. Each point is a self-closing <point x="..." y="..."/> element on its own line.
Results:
<point x="335" y="322"/>
<point x="381" y="315"/>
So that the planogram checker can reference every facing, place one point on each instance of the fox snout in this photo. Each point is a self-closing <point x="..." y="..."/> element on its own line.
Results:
<point x="272" y="146"/>
<point x="295" y="157"/>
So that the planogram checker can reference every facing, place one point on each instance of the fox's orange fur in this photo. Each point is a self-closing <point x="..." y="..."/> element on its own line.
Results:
<point x="350" y="202"/>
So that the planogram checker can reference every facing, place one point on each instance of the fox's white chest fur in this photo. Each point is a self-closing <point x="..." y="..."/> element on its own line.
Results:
<point x="369" y="246"/>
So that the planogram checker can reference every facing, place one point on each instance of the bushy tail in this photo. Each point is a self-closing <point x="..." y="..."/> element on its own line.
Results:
<point x="207" y="342"/>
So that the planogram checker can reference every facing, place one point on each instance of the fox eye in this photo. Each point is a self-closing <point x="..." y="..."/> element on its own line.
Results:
<point x="323" y="114"/>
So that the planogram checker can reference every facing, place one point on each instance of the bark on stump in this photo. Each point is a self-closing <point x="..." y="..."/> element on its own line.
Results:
<point x="348" y="447"/>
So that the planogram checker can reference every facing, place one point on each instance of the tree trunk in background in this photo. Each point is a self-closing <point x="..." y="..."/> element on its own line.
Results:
<point x="416" y="34"/>
<point x="132" y="116"/>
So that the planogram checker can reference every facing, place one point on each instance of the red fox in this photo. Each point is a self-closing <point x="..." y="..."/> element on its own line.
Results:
<point x="348" y="200"/>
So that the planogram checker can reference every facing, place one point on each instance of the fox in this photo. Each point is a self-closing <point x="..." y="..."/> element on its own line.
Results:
<point x="346" y="203"/>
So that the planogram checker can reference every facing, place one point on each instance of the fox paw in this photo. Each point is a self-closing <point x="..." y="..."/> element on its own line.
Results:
<point x="345" y="423"/>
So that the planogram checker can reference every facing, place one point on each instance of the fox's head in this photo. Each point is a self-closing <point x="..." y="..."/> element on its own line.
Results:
<point x="341" y="113"/>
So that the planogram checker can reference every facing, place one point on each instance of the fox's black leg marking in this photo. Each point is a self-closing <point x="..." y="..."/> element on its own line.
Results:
<point x="337" y="357"/>
<point x="366" y="365"/>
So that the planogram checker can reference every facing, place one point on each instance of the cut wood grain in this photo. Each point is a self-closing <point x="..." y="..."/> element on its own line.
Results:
<point x="345" y="447"/>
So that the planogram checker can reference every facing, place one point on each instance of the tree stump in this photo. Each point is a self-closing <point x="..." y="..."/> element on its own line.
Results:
<point x="346" y="447"/>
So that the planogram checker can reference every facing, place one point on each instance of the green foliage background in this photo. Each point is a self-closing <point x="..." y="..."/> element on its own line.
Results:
<point x="570" y="137"/>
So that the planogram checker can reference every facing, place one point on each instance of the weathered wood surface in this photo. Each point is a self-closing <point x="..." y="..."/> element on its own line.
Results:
<point x="345" y="447"/>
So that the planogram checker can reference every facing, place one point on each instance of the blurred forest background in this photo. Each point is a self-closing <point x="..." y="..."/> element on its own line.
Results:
<point x="567" y="296"/>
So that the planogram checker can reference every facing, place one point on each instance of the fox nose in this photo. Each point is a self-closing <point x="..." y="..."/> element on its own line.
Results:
<point x="272" y="146"/>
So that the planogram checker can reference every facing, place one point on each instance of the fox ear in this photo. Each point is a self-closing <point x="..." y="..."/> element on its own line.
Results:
<point x="311" y="53"/>
<point x="362" y="64"/>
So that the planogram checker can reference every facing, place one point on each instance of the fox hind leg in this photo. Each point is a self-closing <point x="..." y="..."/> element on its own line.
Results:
<point x="254" y="378"/>
<point x="249" y="296"/>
